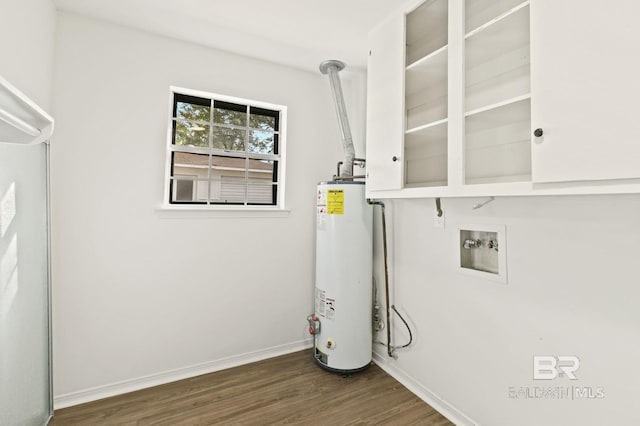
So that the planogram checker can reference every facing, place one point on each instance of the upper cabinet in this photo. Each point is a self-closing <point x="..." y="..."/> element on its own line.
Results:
<point x="586" y="84"/>
<point x="503" y="97"/>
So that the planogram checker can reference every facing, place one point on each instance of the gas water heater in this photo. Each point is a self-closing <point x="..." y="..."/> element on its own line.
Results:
<point x="342" y="321"/>
<point x="343" y="293"/>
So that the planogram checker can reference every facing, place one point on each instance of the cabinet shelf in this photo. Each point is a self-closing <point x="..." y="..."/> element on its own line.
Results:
<point x="426" y="155"/>
<point x="420" y="129"/>
<point x="496" y="38"/>
<point x="498" y="179"/>
<point x="497" y="59"/>
<point x="497" y="105"/>
<point x="498" y="142"/>
<point x="439" y="56"/>
<point x="430" y="71"/>
<point x="427" y="29"/>
<point x="426" y="95"/>
<point x="474" y="20"/>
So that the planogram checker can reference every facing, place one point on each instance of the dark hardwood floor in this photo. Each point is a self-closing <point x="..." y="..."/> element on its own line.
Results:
<point x="289" y="389"/>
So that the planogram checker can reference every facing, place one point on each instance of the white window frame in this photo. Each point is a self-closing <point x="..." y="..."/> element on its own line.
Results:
<point x="280" y="157"/>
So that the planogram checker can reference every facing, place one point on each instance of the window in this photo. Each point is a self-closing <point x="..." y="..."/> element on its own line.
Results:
<point x="224" y="151"/>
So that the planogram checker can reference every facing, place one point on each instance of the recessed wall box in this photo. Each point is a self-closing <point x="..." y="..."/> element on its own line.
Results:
<point x="482" y="251"/>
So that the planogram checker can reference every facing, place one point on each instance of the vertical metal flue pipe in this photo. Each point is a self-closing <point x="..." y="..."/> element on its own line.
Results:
<point x="332" y="68"/>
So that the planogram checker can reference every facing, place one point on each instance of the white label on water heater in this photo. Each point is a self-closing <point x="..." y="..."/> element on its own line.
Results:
<point x="322" y="198"/>
<point x="330" y="308"/>
<point x="320" y="303"/>
<point x="321" y="219"/>
<point x="321" y="215"/>
<point x="325" y="306"/>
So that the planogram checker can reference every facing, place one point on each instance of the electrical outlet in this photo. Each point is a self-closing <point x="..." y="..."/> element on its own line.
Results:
<point x="438" y="221"/>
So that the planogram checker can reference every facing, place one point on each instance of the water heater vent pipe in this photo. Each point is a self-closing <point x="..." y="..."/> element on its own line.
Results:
<point x="332" y="68"/>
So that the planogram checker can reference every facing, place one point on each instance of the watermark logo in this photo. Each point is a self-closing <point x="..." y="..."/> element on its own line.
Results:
<point x="549" y="367"/>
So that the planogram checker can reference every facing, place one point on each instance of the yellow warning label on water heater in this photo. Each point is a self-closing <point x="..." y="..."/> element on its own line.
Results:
<point x="335" y="201"/>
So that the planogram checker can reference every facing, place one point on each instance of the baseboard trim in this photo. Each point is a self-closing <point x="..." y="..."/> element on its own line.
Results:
<point x="422" y="392"/>
<point x="118" y="388"/>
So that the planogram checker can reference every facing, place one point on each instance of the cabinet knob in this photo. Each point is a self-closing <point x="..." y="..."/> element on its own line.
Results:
<point x="538" y="132"/>
<point x="395" y="158"/>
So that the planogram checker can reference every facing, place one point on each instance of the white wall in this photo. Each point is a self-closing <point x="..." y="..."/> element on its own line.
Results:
<point x="27" y="33"/>
<point x="129" y="299"/>
<point x="572" y="290"/>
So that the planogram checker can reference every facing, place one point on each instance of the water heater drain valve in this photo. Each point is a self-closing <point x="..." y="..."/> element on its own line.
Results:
<point x="314" y="325"/>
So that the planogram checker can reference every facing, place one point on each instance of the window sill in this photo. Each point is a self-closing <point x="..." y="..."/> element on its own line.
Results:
<point x="205" y="212"/>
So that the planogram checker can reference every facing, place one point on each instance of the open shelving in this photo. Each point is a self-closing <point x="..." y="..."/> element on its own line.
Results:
<point x="482" y="14"/>
<point x="498" y="144"/>
<point x="497" y="92"/>
<point x="498" y="105"/>
<point x="426" y="155"/>
<point x="426" y="29"/>
<point x="456" y="89"/>
<point x="426" y="95"/>
<point x="497" y="59"/>
<point x="426" y="90"/>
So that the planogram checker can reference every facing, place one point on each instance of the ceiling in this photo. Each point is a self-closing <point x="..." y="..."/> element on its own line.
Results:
<point x="298" y="33"/>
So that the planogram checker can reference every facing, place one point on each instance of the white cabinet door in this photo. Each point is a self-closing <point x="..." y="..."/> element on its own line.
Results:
<point x="585" y="59"/>
<point x="385" y="103"/>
